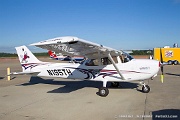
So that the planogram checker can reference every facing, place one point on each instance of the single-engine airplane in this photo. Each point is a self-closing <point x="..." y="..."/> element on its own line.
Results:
<point x="102" y="64"/>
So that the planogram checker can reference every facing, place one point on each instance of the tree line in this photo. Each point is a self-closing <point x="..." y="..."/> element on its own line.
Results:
<point x="141" y="52"/>
<point x="44" y="54"/>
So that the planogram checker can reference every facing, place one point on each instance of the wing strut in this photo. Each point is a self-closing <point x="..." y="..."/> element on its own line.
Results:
<point x="115" y="66"/>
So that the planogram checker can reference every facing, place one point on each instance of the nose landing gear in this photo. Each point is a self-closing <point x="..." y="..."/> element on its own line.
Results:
<point x="145" y="88"/>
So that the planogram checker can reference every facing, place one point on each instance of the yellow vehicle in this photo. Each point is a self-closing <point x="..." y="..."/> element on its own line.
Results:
<point x="169" y="55"/>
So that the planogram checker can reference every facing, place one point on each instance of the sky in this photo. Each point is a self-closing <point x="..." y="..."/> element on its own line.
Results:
<point x="119" y="24"/>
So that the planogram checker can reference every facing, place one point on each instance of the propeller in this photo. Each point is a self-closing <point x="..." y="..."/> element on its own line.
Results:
<point x="162" y="68"/>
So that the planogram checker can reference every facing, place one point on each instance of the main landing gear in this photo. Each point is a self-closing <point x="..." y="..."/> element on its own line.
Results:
<point x="145" y="88"/>
<point x="103" y="91"/>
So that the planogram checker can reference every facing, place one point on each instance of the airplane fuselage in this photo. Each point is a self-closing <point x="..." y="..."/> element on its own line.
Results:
<point x="136" y="69"/>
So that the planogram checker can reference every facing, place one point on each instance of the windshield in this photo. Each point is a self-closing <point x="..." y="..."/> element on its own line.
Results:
<point x="127" y="57"/>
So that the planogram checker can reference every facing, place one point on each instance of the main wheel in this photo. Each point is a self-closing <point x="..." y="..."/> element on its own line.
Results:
<point x="103" y="91"/>
<point x="146" y="89"/>
<point x="114" y="84"/>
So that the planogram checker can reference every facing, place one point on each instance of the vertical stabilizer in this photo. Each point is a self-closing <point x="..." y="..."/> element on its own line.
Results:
<point x="26" y="56"/>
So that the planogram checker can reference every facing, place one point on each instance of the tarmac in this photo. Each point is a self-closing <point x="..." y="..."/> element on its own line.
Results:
<point x="32" y="98"/>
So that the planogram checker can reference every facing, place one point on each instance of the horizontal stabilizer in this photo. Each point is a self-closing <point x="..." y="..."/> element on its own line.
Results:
<point x="24" y="73"/>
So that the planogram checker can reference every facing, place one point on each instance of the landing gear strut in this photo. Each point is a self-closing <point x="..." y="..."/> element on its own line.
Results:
<point x="103" y="91"/>
<point x="145" y="88"/>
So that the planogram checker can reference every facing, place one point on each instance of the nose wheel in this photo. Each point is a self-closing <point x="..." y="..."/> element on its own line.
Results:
<point x="145" y="88"/>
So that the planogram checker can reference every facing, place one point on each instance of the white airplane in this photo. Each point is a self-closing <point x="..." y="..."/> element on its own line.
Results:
<point x="103" y="64"/>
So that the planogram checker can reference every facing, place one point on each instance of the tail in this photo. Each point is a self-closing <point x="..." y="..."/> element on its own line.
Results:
<point x="26" y="57"/>
<point x="51" y="54"/>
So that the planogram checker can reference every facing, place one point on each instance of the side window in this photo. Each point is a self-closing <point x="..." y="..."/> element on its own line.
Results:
<point x="105" y="61"/>
<point x="92" y="62"/>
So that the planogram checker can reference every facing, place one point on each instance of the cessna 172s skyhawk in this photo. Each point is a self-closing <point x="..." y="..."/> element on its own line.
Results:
<point x="102" y="64"/>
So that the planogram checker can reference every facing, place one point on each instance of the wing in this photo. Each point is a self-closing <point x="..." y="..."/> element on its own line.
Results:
<point x="73" y="46"/>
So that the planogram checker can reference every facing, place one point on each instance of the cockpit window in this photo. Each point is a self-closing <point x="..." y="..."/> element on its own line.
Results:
<point x="96" y="62"/>
<point x="105" y="61"/>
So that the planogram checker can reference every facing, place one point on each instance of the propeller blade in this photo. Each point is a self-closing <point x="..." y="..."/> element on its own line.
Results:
<point x="162" y="78"/>
<point x="161" y="57"/>
<point x="162" y="68"/>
